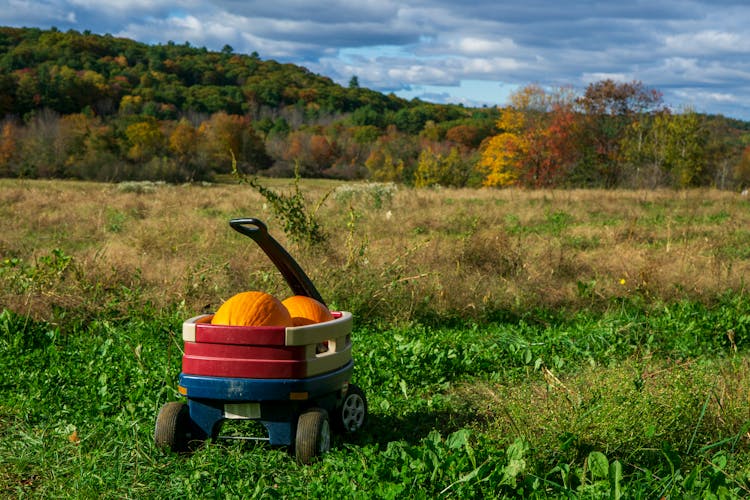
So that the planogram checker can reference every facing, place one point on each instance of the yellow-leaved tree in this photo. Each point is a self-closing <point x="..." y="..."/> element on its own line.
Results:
<point x="503" y="153"/>
<point x="384" y="167"/>
<point x="183" y="142"/>
<point x="145" y="138"/>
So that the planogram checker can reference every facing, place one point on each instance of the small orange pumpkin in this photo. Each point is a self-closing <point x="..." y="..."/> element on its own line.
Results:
<point x="252" y="309"/>
<point x="306" y="310"/>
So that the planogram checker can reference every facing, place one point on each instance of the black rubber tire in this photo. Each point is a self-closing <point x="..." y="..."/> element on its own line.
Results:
<point x="313" y="435"/>
<point x="173" y="427"/>
<point x="351" y="415"/>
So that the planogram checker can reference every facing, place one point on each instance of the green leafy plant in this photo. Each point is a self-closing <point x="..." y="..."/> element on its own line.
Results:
<point x="299" y="222"/>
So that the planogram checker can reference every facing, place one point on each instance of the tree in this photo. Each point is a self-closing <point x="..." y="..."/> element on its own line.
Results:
<point x="131" y="104"/>
<point x="38" y="147"/>
<point x="70" y="142"/>
<point x="436" y="169"/>
<point x="723" y="149"/>
<point x="661" y="148"/>
<point x="553" y="148"/>
<point x="466" y="136"/>
<point x="504" y="153"/>
<point x="685" y="154"/>
<point x="183" y="142"/>
<point x="7" y="147"/>
<point x="742" y="170"/>
<point x="534" y="147"/>
<point x="7" y="94"/>
<point x="412" y="120"/>
<point x="224" y="136"/>
<point x="384" y="167"/>
<point x="367" y="115"/>
<point x="608" y="109"/>
<point x="322" y="152"/>
<point x="146" y="140"/>
<point x="643" y="149"/>
<point x="366" y="134"/>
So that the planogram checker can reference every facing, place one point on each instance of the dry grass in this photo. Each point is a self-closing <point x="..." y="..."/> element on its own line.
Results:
<point x="390" y="254"/>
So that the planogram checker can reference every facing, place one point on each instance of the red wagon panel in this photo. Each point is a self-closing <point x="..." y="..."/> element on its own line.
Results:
<point x="243" y="368"/>
<point x="265" y="352"/>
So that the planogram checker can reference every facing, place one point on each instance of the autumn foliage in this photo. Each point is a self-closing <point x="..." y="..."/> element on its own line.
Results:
<point x="537" y="146"/>
<point x="110" y="109"/>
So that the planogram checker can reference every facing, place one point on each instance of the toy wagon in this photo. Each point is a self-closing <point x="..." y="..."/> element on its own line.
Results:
<point x="295" y="380"/>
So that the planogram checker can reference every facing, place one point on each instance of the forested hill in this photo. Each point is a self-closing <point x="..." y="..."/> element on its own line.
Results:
<point x="105" y="108"/>
<point x="178" y="109"/>
<point x="69" y="71"/>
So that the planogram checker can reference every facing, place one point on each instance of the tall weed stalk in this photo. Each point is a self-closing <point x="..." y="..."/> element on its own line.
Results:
<point x="300" y="224"/>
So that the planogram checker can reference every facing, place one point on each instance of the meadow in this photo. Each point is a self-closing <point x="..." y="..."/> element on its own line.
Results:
<point x="512" y="343"/>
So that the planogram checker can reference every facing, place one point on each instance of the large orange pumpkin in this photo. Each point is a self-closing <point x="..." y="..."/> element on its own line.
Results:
<point x="252" y="309"/>
<point x="306" y="310"/>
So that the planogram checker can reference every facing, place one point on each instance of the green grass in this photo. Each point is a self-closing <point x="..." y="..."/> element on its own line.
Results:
<point x="562" y="344"/>
<point x="548" y="405"/>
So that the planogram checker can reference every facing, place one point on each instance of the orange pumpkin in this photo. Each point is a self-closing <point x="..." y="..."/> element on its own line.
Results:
<point x="252" y="309"/>
<point x="306" y="310"/>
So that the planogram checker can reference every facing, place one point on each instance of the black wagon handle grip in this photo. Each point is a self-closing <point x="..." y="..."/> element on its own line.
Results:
<point x="249" y="226"/>
<point x="295" y="277"/>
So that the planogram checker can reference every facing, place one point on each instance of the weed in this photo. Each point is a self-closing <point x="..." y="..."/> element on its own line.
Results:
<point x="298" y="222"/>
<point x="376" y="195"/>
<point x="115" y="220"/>
<point x="139" y="187"/>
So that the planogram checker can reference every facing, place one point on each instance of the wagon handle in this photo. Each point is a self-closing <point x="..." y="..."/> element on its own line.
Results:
<point x="295" y="277"/>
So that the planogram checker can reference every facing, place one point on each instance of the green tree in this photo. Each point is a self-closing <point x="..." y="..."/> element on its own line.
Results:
<point x="435" y="169"/>
<point x="644" y="150"/>
<point x="367" y="116"/>
<point x="383" y="167"/>
<point x="7" y="94"/>
<point x="685" y="154"/>
<point x="665" y="149"/>
<point x="742" y="170"/>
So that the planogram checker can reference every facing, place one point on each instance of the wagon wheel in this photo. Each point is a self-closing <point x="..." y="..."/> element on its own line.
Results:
<point x="173" y="427"/>
<point x="313" y="435"/>
<point x="351" y="415"/>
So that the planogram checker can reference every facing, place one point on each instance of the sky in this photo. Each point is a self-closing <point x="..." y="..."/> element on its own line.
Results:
<point x="697" y="53"/>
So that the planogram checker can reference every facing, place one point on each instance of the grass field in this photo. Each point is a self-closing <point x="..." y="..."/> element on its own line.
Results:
<point x="561" y="344"/>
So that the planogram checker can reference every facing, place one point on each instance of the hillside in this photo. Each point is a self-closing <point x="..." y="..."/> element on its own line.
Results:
<point x="67" y="72"/>
<point x="79" y="105"/>
<point x="48" y="74"/>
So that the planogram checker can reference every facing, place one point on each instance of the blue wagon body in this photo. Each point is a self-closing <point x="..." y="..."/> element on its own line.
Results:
<point x="277" y="403"/>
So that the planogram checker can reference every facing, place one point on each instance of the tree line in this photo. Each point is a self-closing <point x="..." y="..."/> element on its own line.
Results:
<point x="78" y="105"/>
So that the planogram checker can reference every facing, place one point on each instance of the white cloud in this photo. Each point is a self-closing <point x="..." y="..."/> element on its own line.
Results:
<point x="697" y="48"/>
<point x="718" y="97"/>
<point x="421" y="74"/>
<point x="143" y="6"/>
<point x="707" y="42"/>
<point x="479" y="46"/>
<point x="33" y="12"/>
<point x="596" y="77"/>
